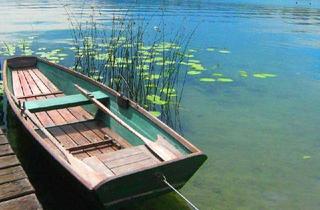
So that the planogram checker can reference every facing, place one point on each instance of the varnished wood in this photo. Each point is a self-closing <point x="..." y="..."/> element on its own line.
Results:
<point x="40" y="94"/>
<point x="159" y="150"/>
<point x="121" y="168"/>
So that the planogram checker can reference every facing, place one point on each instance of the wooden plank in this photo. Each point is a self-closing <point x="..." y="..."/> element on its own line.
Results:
<point x="91" y="146"/>
<point x="11" y="174"/>
<point x="60" y="117"/>
<point x="62" y="137"/>
<point x="98" y="166"/>
<point x="127" y="160"/>
<point x="15" y="189"/>
<point x="28" y="202"/>
<point x="80" y="113"/>
<point x="41" y="85"/>
<point x="123" y="153"/>
<point x="134" y="166"/>
<point x="17" y="90"/>
<point x="8" y="161"/>
<point x="24" y="84"/>
<point x="45" y="80"/>
<point x="41" y="94"/>
<point x="3" y="139"/>
<point x="163" y="142"/>
<point x="5" y="150"/>
<point x="62" y="102"/>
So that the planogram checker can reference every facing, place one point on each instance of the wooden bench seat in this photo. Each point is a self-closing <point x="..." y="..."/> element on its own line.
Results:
<point x="124" y="160"/>
<point x="62" y="102"/>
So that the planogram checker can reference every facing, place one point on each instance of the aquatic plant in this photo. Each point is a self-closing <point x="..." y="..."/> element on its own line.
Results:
<point x="264" y="75"/>
<point x="143" y="64"/>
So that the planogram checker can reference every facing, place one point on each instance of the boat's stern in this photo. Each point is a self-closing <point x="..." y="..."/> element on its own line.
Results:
<point x="149" y="182"/>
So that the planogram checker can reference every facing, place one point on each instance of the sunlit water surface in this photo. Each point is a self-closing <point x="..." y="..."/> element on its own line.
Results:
<point x="261" y="135"/>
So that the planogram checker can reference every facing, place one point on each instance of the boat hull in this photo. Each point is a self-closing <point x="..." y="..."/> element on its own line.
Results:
<point x="136" y="184"/>
<point x="148" y="183"/>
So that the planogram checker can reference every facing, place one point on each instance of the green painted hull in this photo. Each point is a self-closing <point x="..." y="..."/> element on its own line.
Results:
<point x="139" y="184"/>
<point x="148" y="183"/>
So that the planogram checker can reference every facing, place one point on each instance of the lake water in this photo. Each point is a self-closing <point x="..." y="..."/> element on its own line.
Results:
<point x="261" y="135"/>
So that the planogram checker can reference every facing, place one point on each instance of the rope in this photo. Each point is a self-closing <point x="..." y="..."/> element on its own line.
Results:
<point x="182" y="196"/>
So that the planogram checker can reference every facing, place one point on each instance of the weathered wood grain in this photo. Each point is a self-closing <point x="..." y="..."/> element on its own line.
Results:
<point x="5" y="149"/>
<point x="8" y="161"/>
<point x="11" y="174"/>
<point x="3" y="139"/>
<point x="15" y="189"/>
<point x="28" y="202"/>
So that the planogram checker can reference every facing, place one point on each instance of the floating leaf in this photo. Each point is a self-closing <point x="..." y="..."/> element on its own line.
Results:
<point x="197" y="66"/>
<point x="207" y="79"/>
<point x="193" y="72"/>
<point x="306" y="157"/>
<point x="264" y="75"/>
<point x="224" y="51"/>
<point x="194" y="61"/>
<point x="224" y="80"/>
<point x="156" y="99"/>
<point x="217" y="74"/>
<point x="168" y="90"/>
<point x="155" y="113"/>
<point x="243" y="73"/>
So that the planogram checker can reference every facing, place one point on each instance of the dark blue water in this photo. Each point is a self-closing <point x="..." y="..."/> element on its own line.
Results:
<point x="261" y="134"/>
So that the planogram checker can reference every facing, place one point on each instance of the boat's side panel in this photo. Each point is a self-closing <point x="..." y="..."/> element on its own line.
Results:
<point x="64" y="81"/>
<point x="148" y="182"/>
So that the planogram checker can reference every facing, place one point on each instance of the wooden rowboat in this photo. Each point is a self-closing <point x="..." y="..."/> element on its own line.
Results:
<point x="111" y="145"/>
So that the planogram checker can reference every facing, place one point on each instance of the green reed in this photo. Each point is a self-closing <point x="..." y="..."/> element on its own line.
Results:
<point x="140" y="62"/>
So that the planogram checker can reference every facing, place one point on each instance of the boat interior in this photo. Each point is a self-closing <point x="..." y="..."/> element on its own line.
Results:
<point x="79" y="132"/>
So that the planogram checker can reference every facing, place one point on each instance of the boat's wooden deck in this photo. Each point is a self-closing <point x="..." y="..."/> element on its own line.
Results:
<point x="73" y="127"/>
<point x="78" y="131"/>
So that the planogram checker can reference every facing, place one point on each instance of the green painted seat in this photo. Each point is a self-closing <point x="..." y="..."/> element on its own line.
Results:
<point x="63" y="102"/>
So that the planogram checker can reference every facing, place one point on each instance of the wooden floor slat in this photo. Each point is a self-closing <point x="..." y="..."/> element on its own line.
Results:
<point x="5" y="149"/>
<point x="11" y="174"/>
<point x="8" y="161"/>
<point x="3" y="140"/>
<point x="27" y="202"/>
<point x="15" y="189"/>
<point x="63" y="122"/>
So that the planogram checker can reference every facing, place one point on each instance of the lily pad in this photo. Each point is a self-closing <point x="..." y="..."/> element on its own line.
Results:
<point x="197" y="66"/>
<point x="207" y="79"/>
<point x="168" y="90"/>
<point x="217" y="74"/>
<point x="305" y="157"/>
<point x="224" y="80"/>
<point x="264" y="75"/>
<point x="155" y="113"/>
<point x="156" y="99"/>
<point x="193" y="72"/>
<point x="224" y="51"/>
<point x="243" y="73"/>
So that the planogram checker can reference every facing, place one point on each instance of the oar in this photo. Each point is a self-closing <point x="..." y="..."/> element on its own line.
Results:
<point x="162" y="152"/>
<point x="83" y="170"/>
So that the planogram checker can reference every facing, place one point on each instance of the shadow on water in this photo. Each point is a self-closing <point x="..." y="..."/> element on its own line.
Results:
<point x="57" y="189"/>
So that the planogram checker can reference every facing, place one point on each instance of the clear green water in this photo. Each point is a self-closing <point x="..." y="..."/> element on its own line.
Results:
<point x="261" y="135"/>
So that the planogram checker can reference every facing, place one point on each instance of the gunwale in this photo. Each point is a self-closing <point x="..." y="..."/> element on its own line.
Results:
<point x="193" y="149"/>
